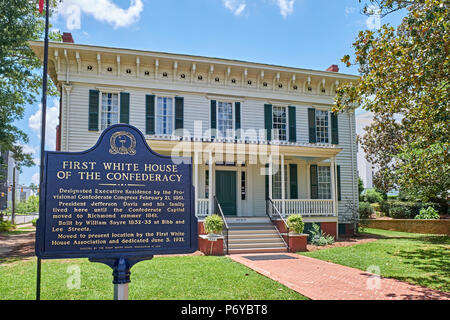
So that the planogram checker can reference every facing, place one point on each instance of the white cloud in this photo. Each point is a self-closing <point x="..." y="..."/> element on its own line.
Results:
<point x="52" y="120"/>
<point x="286" y="7"/>
<point x="35" y="178"/>
<point x="102" y="10"/>
<point x="235" y="6"/>
<point x="349" y="10"/>
<point x="373" y="22"/>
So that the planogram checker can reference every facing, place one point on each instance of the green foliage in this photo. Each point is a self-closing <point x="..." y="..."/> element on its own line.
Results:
<point x="31" y="205"/>
<point x="405" y="210"/>
<point x="405" y="84"/>
<point x="295" y="222"/>
<point x="365" y="210"/>
<point x="33" y="222"/>
<point x="428" y="213"/>
<point x="319" y="238"/>
<point x="6" y="226"/>
<point x="360" y="188"/>
<point x="372" y="196"/>
<point x="213" y="224"/>
<point x="20" y="72"/>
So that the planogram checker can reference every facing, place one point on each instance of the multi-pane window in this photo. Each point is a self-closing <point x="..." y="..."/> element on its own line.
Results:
<point x="225" y="119"/>
<point x="276" y="184"/>
<point x="324" y="182"/>
<point x="322" y="126"/>
<point x="279" y="123"/>
<point x="164" y="116"/>
<point x="110" y="110"/>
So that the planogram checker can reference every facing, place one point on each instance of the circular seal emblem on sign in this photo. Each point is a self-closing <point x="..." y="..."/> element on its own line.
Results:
<point x="123" y="142"/>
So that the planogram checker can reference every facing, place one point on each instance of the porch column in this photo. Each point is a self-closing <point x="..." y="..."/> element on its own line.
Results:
<point x="333" y="183"/>
<point x="196" y="181"/>
<point x="283" y="187"/>
<point x="270" y="176"/>
<point x="210" y="185"/>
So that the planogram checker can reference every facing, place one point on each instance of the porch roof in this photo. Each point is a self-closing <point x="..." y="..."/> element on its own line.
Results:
<point x="305" y="151"/>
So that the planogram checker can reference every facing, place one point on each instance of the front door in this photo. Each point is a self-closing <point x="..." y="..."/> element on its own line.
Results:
<point x="226" y="191"/>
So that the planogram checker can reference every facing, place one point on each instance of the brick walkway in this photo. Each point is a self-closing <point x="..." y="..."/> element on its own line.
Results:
<point x="321" y="280"/>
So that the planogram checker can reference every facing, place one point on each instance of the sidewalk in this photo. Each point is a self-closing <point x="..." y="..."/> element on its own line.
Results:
<point x="321" y="280"/>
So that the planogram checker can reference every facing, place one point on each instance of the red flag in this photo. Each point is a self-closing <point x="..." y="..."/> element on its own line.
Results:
<point x="41" y="6"/>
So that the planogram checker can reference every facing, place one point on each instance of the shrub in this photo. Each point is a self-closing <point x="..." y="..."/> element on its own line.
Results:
<point x="428" y="213"/>
<point x="33" y="222"/>
<point x="372" y="196"/>
<point x="6" y="226"/>
<point x="295" y="222"/>
<point x="213" y="224"/>
<point x="365" y="210"/>
<point x="318" y="238"/>
<point x="405" y="210"/>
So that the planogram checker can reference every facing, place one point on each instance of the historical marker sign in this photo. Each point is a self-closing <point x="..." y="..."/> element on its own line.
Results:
<point x="118" y="199"/>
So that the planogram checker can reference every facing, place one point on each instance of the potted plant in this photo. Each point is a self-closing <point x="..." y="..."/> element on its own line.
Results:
<point x="295" y="223"/>
<point x="213" y="226"/>
<point x="297" y="239"/>
<point x="212" y="243"/>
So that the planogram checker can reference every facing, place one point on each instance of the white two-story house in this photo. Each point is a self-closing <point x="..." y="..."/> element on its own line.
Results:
<point x="263" y="139"/>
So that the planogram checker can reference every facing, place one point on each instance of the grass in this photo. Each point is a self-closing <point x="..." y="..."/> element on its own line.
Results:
<point x="171" y="278"/>
<point x="415" y="258"/>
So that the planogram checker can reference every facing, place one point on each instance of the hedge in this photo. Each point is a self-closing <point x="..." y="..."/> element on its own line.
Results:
<point x="405" y="210"/>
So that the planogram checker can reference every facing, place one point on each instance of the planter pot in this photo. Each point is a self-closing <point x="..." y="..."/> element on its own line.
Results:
<point x="297" y="242"/>
<point x="211" y="244"/>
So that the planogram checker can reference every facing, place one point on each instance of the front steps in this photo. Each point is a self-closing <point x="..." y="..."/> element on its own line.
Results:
<point x="253" y="235"/>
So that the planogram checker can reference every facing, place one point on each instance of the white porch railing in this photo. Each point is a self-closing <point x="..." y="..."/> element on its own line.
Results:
<point x="305" y="207"/>
<point x="202" y="207"/>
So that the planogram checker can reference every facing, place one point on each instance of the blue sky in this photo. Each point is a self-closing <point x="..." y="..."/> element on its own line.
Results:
<point x="311" y="34"/>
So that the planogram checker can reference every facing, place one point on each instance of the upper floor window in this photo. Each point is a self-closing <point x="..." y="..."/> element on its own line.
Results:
<point x="225" y="119"/>
<point x="279" y="123"/>
<point x="110" y="110"/>
<point x="324" y="182"/>
<point x="164" y="116"/>
<point x="322" y="125"/>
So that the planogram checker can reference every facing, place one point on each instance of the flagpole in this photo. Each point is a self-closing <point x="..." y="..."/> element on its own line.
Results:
<point x="43" y="122"/>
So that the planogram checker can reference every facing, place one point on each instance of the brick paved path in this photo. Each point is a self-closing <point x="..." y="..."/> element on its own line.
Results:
<point x="321" y="280"/>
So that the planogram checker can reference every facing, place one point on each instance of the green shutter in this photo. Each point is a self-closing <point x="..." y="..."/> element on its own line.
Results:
<point x="237" y="117"/>
<point x="312" y="125"/>
<point x="313" y="178"/>
<point x="292" y="125"/>
<point x="93" y="110"/>
<point x="150" y="114"/>
<point x="334" y="128"/>
<point x="338" y="174"/>
<point x="124" y="107"/>
<point x="213" y="115"/>
<point x="268" y="121"/>
<point x="293" y="181"/>
<point x="179" y="113"/>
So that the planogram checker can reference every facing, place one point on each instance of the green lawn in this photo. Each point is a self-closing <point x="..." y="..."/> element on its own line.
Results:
<point x="188" y="277"/>
<point x="415" y="258"/>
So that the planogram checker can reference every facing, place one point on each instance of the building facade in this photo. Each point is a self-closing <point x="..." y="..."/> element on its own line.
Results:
<point x="241" y="122"/>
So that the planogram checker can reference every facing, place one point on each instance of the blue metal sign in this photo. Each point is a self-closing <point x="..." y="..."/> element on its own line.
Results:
<point x="118" y="199"/>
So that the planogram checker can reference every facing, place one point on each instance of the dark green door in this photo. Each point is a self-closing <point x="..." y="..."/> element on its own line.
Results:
<point x="226" y="191"/>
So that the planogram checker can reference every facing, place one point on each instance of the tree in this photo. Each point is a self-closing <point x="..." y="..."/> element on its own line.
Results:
<point x="20" y="71"/>
<point x="405" y="84"/>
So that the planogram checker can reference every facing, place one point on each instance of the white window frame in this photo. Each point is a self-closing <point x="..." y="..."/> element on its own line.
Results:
<point x="320" y="194"/>
<point x="101" y="112"/>
<point x="286" y="124"/>
<point x="157" y="115"/>
<point x="328" y="126"/>
<point x="286" y="182"/>
<point x="221" y="134"/>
